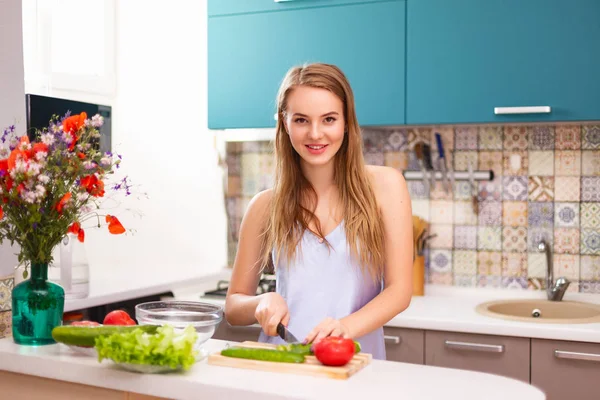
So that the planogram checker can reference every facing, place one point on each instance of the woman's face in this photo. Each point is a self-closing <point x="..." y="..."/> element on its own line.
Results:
<point x="315" y="124"/>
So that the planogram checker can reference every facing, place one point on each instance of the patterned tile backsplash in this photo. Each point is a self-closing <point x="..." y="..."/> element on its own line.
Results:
<point x="546" y="185"/>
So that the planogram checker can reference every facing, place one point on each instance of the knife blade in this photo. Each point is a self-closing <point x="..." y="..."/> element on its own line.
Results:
<point x="285" y="334"/>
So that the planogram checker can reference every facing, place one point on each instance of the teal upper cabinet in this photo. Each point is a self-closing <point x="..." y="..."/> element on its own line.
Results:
<point x="249" y="54"/>
<point x="465" y="58"/>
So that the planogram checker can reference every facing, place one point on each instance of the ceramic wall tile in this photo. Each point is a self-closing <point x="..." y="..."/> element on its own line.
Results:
<point x="541" y="163"/>
<point x="515" y="138"/>
<point x="490" y="213"/>
<point x="540" y="215"/>
<point x="416" y="189"/>
<point x="514" y="265"/>
<point x="462" y="190"/>
<point x="374" y="159"/>
<point x="568" y="137"/>
<point x="589" y="287"/>
<point x="541" y="137"/>
<point x="233" y="164"/>
<point x="489" y="238"/>
<point x="465" y="262"/>
<point x="465" y="280"/>
<point x="442" y="212"/>
<point x="536" y="265"/>
<point x="590" y="215"/>
<point x="466" y="138"/>
<point x="567" y="188"/>
<point x="566" y="240"/>
<point x="6" y="287"/>
<point x="413" y="162"/>
<point x="541" y="188"/>
<point x="535" y="236"/>
<point x="566" y="265"/>
<point x="373" y="140"/>
<point x="415" y="135"/>
<point x="490" y="191"/>
<point x="444" y="238"/>
<point x="250" y="147"/>
<point x="463" y="158"/>
<point x="438" y="192"/>
<point x="515" y="188"/>
<point x="489" y="281"/>
<point x="515" y="163"/>
<point x="234" y="186"/>
<point x="5" y="323"/>
<point x="491" y="160"/>
<point x="439" y="278"/>
<point x="396" y="159"/>
<point x="441" y="261"/>
<point x="490" y="137"/>
<point x="590" y="163"/>
<point x="590" y="268"/>
<point x="590" y="137"/>
<point x="489" y="263"/>
<point x="514" y="239"/>
<point x="464" y="213"/>
<point x="421" y="209"/>
<point x="396" y="140"/>
<point x="590" y="188"/>
<point x="567" y="163"/>
<point x="515" y="213"/>
<point x="590" y="241"/>
<point x="566" y="215"/>
<point x="465" y="237"/>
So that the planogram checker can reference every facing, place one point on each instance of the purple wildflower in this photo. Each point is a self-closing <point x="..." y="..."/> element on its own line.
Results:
<point x="35" y="225"/>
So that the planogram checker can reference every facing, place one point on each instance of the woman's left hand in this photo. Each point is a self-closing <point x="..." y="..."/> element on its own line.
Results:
<point x="327" y="327"/>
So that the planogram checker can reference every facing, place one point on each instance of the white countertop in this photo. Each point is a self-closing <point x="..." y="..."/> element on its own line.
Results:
<point x="106" y="288"/>
<point x="380" y="378"/>
<point x="450" y="308"/>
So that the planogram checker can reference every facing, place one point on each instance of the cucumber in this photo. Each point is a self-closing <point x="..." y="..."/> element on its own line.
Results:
<point x="304" y="349"/>
<point x="263" y="355"/>
<point x="86" y="335"/>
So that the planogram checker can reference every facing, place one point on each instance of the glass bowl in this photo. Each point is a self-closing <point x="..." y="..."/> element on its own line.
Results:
<point x="204" y="317"/>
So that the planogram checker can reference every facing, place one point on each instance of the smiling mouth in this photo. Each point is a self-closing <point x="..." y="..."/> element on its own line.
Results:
<point x="316" y="147"/>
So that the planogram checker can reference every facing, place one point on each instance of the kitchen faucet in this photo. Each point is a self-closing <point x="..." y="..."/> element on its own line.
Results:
<point x="554" y="290"/>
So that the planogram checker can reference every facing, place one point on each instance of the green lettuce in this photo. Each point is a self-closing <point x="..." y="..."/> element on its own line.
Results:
<point x="165" y="347"/>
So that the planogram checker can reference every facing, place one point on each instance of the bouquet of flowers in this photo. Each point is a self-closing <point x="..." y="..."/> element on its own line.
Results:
<point x="50" y="186"/>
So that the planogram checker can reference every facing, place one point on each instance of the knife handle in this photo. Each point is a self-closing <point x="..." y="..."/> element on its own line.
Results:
<point x="440" y="146"/>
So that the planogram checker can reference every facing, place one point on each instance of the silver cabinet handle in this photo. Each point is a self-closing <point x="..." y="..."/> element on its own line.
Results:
<point x="393" y="339"/>
<point x="490" y="348"/>
<point x="573" y="355"/>
<point x="523" y="110"/>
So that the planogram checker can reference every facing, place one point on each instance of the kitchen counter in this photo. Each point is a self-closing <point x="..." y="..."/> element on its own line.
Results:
<point x="449" y="308"/>
<point x="106" y="288"/>
<point x="379" y="379"/>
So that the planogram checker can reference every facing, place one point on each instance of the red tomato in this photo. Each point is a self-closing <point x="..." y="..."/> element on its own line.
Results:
<point x="334" y="351"/>
<point x="118" y="317"/>
<point x="85" y="323"/>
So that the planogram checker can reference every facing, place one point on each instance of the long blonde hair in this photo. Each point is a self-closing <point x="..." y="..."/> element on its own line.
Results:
<point x="294" y="198"/>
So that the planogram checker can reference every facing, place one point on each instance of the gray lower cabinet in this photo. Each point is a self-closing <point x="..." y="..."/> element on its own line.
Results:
<point x="565" y="370"/>
<point x="405" y="345"/>
<point x="500" y="355"/>
<point x="236" y="333"/>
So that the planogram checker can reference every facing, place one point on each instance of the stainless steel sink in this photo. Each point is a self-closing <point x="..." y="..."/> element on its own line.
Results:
<point x="542" y="311"/>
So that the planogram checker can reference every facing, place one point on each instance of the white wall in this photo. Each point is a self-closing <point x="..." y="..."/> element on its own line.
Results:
<point x="159" y="126"/>
<point x="12" y="92"/>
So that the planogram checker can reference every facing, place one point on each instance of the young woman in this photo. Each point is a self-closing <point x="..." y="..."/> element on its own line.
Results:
<point x="339" y="233"/>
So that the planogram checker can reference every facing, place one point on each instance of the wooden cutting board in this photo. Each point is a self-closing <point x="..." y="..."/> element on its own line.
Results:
<point x="311" y="366"/>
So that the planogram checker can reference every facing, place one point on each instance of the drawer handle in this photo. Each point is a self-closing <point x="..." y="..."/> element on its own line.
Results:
<point x="490" y="348"/>
<point x="523" y="110"/>
<point x="573" y="355"/>
<point x="393" y="339"/>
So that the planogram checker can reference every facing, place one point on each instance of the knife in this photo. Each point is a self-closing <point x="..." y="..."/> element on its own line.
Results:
<point x="286" y="335"/>
<point x="429" y="163"/>
<point x="442" y="162"/>
<point x="419" y="153"/>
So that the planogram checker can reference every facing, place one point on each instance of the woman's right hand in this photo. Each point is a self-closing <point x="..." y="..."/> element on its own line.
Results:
<point x="271" y="310"/>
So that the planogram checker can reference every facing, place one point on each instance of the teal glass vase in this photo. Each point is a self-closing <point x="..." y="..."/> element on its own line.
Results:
<point x="37" y="307"/>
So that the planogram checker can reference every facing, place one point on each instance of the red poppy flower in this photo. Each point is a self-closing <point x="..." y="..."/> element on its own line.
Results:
<point x="81" y="235"/>
<point x="114" y="226"/>
<point x="62" y="202"/>
<point x="72" y="124"/>
<point x="74" y="228"/>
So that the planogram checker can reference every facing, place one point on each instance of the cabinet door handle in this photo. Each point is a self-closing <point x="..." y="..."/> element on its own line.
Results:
<point x="573" y="355"/>
<point x="523" y="110"/>
<point x="393" y="339"/>
<point x="490" y="348"/>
